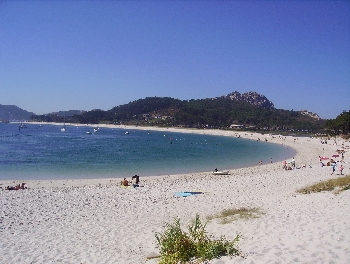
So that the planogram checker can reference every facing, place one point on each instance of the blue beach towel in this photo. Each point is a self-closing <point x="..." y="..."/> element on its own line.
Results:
<point x="185" y="194"/>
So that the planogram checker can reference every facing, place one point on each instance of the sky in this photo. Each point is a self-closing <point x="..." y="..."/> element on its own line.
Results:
<point x="85" y="55"/>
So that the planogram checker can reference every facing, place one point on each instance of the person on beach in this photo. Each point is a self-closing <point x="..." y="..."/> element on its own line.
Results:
<point x="22" y="186"/>
<point x="333" y="164"/>
<point x="293" y="162"/>
<point x="135" y="180"/>
<point x="17" y="187"/>
<point x="341" y="169"/>
<point x="124" y="182"/>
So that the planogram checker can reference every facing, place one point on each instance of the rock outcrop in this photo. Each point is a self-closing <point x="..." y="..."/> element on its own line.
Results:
<point x="252" y="98"/>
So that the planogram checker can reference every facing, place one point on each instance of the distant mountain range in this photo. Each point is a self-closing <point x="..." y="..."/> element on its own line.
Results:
<point x="248" y="110"/>
<point x="12" y="112"/>
<point x="208" y="109"/>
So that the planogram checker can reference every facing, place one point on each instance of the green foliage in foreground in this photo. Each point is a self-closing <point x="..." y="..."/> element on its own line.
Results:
<point x="177" y="246"/>
<point x="230" y="215"/>
<point x="337" y="185"/>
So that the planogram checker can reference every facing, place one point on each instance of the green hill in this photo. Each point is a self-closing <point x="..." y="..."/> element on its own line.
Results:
<point x="249" y="110"/>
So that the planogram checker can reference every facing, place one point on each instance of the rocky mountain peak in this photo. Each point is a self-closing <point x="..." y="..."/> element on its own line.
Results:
<point x="252" y="98"/>
<point x="311" y="114"/>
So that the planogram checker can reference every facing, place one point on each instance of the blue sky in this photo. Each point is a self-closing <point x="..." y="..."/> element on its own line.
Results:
<point x="62" y="55"/>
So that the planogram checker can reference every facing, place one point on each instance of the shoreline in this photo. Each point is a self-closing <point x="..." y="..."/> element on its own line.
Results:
<point x="105" y="180"/>
<point x="214" y="132"/>
<point x="97" y="221"/>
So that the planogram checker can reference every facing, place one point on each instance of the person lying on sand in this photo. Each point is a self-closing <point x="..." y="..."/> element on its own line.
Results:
<point x="17" y="187"/>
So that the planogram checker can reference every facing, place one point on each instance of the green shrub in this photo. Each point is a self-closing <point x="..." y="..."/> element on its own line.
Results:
<point x="177" y="246"/>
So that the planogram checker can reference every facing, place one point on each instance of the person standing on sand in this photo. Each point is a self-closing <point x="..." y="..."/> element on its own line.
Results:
<point x="341" y="169"/>
<point x="285" y="164"/>
<point x="333" y="164"/>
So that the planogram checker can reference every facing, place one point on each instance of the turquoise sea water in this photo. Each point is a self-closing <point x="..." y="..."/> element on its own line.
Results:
<point x="45" y="152"/>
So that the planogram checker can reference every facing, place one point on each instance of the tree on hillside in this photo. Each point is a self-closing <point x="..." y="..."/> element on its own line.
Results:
<point x="341" y="123"/>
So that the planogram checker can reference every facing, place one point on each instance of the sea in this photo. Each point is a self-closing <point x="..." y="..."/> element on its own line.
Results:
<point x="43" y="152"/>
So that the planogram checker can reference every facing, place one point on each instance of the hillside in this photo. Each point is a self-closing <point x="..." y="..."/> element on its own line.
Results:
<point x="68" y="113"/>
<point x="244" y="110"/>
<point x="12" y="112"/>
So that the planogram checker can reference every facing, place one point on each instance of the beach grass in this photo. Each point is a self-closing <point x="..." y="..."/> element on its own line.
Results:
<point x="178" y="246"/>
<point x="336" y="185"/>
<point x="230" y="215"/>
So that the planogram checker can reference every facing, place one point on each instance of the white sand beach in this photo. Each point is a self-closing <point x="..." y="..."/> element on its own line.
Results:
<point x="97" y="221"/>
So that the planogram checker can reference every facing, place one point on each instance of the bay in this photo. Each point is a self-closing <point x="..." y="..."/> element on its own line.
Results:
<point x="44" y="152"/>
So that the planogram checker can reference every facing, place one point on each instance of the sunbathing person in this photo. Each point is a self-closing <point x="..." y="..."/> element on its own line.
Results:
<point x="124" y="182"/>
<point x="22" y="186"/>
<point x="17" y="187"/>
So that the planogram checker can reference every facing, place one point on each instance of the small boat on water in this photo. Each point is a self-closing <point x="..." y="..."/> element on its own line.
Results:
<point x="225" y="172"/>
<point x="63" y="129"/>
